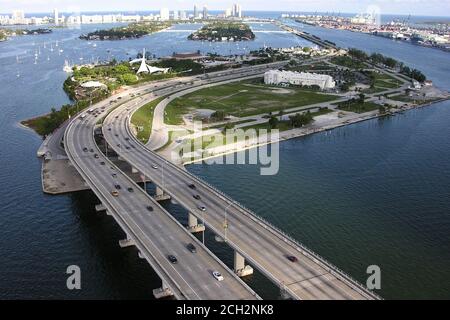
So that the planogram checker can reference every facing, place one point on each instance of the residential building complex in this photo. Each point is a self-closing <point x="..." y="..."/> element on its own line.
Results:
<point x="277" y="77"/>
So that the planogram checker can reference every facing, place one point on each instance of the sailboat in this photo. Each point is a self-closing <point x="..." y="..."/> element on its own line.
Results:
<point x="67" y="67"/>
<point x="51" y="47"/>
<point x="56" y="44"/>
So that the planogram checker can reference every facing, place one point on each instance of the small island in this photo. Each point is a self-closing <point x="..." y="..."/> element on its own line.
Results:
<point x="6" y="33"/>
<point x="132" y="31"/>
<point x="223" y="31"/>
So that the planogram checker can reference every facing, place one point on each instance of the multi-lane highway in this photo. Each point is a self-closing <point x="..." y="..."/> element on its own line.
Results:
<point x="156" y="234"/>
<point x="264" y="247"/>
<point x="147" y="225"/>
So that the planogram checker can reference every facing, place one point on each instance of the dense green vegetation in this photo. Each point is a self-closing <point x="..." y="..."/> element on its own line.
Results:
<point x="47" y="124"/>
<point x="142" y="119"/>
<point x="5" y="33"/>
<point x="377" y="58"/>
<point x="242" y="99"/>
<point x="132" y="31"/>
<point x="218" y="31"/>
<point x="115" y="75"/>
<point x="348" y="62"/>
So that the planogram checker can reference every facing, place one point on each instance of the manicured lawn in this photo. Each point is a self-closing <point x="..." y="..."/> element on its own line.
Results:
<point x="358" y="107"/>
<point x="144" y="118"/>
<point x="384" y="82"/>
<point x="243" y="99"/>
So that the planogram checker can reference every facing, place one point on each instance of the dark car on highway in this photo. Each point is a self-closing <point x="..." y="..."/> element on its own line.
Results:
<point x="191" y="248"/>
<point x="172" y="259"/>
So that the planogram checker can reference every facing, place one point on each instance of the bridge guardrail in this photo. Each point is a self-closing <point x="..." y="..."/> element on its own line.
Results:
<point x="273" y="229"/>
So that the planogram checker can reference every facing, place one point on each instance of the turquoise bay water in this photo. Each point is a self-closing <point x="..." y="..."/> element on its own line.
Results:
<point x="371" y="193"/>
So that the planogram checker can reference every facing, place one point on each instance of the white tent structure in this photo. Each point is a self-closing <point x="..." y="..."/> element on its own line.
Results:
<point x="145" y="68"/>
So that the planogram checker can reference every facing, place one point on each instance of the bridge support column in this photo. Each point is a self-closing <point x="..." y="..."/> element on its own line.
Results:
<point x="128" y="242"/>
<point x="100" y="207"/>
<point x="161" y="195"/>
<point x="239" y="266"/>
<point x="162" y="292"/>
<point x="193" y="225"/>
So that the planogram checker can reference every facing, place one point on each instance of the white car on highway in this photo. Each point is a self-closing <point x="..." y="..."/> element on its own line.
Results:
<point x="217" y="276"/>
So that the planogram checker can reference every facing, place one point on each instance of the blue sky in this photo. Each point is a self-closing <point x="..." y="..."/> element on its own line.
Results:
<point x="414" y="7"/>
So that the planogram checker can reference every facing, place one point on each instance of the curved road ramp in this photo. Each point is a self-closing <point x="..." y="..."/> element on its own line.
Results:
<point x="157" y="234"/>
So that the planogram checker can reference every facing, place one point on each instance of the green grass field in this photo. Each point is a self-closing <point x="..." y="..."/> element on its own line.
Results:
<point x="358" y="107"/>
<point x="384" y="82"/>
<point x="243" y="99"/>
<point x="143" y="117"/>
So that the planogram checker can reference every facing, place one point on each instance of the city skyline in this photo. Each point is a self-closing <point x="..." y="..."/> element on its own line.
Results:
<point x="405" y="7"/>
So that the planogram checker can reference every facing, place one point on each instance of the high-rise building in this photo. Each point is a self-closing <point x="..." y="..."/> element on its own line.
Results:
<point x="228" y="12"/>
<point x="175" y="15"/>
<point x="182" y="14"/>
<point x="164" y="14"/>
<point x="238" y="11"/>
<point x="55" y="16"/>
<point x="18" y="17"/>
<point x="195" y="11"/>
<point x="205" y="12"/>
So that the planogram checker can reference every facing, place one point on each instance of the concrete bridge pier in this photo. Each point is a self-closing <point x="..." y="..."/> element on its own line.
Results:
<point x="128" y="242"/>
<point x="193" y="225"/>
<point x="161" y="195"/>
<point x="163" y="292"/>
<point x="239" y="266"/>
<point x="100" y="207"/>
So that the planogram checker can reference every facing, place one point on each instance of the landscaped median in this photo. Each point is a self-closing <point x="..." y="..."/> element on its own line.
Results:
<point x="142" y="120"/>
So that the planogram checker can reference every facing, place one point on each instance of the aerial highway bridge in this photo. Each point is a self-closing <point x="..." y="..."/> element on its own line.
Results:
<point x="157" y="234"/>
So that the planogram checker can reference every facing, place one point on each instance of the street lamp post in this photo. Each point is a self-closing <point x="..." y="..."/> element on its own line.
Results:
<point x="225" y="223"/>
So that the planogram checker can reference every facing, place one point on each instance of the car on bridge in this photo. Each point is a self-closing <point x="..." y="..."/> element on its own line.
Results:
<point x="115" y="193"/>
<point x="154" y="166"/>
<point x="217" y="276"/>
<point x="117" y="186"/>
<point x="191" y="248"/>
<point x="197" y="197"/>
<point x="201" y="208"/>
<point x="172" y="259"/>
<point x="292" y="258"/>
<point x="150" y="208"/>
